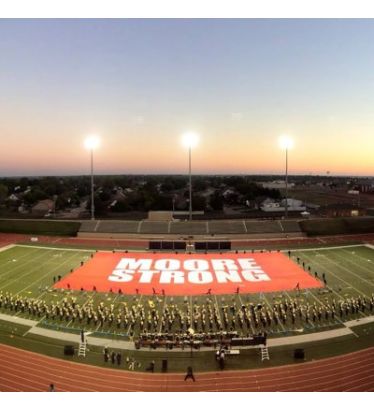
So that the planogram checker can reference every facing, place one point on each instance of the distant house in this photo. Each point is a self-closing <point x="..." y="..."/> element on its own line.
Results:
<point x="228" y="192"/>
<point x="13" y="198"/>
<point x="43" y="207"/>
<point x="292" y="205"/>
<point x="279" y="184"/>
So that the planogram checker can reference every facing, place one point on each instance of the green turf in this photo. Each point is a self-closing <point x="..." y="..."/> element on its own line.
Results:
<point x="29" y="271"/>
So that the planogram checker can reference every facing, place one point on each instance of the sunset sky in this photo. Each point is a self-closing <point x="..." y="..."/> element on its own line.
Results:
<point x="140" y="84"/>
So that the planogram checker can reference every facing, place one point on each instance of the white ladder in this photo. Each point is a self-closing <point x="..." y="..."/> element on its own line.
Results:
<point x="82" y="349"/>
<point x="264" y="353"/>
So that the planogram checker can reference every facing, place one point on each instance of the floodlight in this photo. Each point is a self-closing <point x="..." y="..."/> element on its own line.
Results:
<point x="92" y="142"/>
<point x="286" y="142"/>
<point x="190" y="139"/>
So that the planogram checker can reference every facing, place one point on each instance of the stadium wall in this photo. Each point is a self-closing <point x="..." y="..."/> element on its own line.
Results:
<point x="37" y="227"/>
<point x="338" y="226"/>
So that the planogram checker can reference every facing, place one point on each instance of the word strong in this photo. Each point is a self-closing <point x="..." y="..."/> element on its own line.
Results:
<point x="193" y="271"/>
<point x="170" y="274"/>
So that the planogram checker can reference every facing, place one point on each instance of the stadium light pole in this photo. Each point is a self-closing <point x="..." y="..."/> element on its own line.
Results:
<point x="190" y="140"/>
<point x="286" y="143"/>
<point x="91" y="143"/>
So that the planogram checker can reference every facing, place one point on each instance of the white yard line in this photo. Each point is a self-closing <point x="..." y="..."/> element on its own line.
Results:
<point x="18" y="266"/>
<point x="349" y="271"/>
<point x="5" y="248"/>
<point x="358" y="322"/>
<point x="360" y="267"/>
<point x="323" y="248"/>
<point x="162" y="314"/>
<point x="337" y="277"/>
<point x="271" y="309"/>
<point x="59" y="249"/>
<point x="19" y="258"/>
<point x="48" y="274"/>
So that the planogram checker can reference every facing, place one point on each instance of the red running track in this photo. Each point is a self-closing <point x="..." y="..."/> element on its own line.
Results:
<point x="31" y="372"/>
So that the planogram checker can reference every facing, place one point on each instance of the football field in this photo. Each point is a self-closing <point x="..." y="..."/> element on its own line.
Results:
<point x="30" y="273"/>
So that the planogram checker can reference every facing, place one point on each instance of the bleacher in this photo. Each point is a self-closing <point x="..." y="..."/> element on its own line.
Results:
<point x="228" y="227"/>
<point x="290" y="226"/>
<point x="187" y="228"/>
<point x="150" y="227"/>
<point x="110" y="226"/>
<point x="260" y="227"/>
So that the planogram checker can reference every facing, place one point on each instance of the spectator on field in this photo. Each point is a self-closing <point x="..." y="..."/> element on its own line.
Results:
<point x="151" y="367"/>
<point x="113" y="357"/>
<point x="189" y="374"/>
<point x="119" y="358"/>
<point x="52" y="388"/>
<point x="106" y="354"/>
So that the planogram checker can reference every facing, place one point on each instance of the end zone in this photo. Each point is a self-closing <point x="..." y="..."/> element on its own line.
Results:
<point x="173" y="274"/>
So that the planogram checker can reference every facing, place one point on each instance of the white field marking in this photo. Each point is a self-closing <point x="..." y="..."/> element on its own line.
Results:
<point x="60" y="249"/>
<point x="96" y="226"/>
<point x="162" y="314"/>
<point x="290" y="298"/>
<point x="359" y="322"/>
<point x="32" y="271"/>
<point x="5" y="248"/>
<point x="367" y="261"/>
<point x="321" y="248"/>
<point x="218" y="309"/>
<point x="368" y="245"/>
<point x="191" y="316"/>
<point x="17" y="267"/>
<point x="349" y="271"/>
<point x="334" y="291"/>
<point x="360" y="266"/>
<point x="241" y="302"/>
<point x="48" y="273"/>
<point x="17" y="260"/>
<point x="336" y="316"/>
<point x="342" y="280"/>
<point x="129" y="328"/>
<point x="280" y="320"/>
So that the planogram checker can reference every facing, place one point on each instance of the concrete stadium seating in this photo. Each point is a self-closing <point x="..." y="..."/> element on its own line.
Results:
<point x="263" y="227"/>
<point x="229" y="227"/>
<point x="290" y="226"/>
<point x="232" y="227"/>
<point x="153" y="227"/>
<point x="189" y="228"/>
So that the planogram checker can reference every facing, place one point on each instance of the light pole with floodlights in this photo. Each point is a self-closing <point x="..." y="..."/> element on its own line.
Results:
<point x="190" y="140"/>
<point x="91" y="143"/>
<point x="286" y="143"/>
